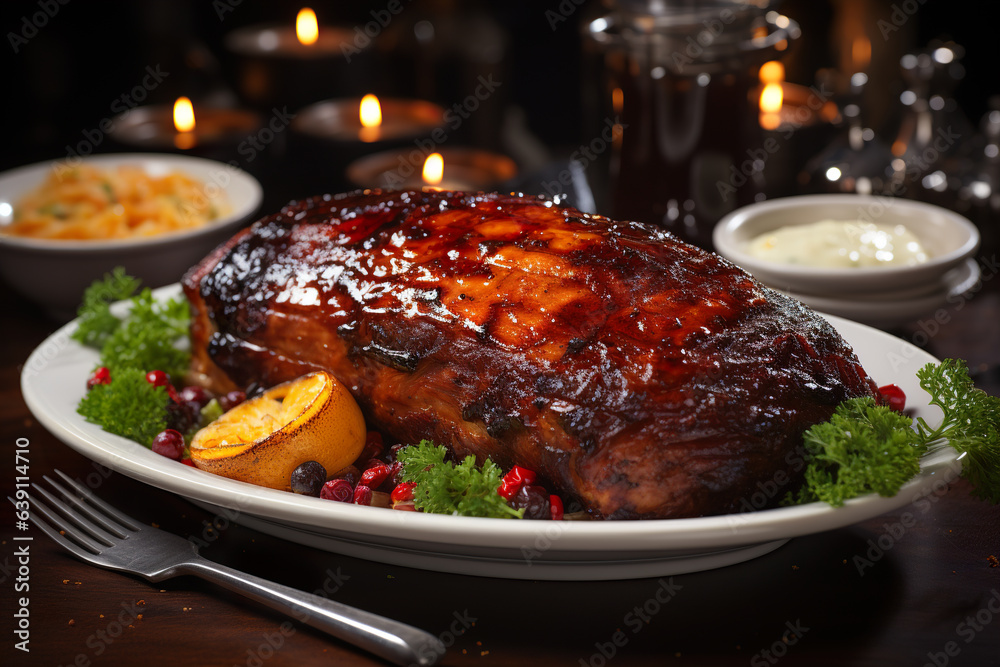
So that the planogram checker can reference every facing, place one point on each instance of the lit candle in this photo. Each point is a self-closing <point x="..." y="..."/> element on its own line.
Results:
<point x="370" y="120"/>
<point x="462" y="169"/>
<point x="298" y="64"/>
<point x="184" y="127"/>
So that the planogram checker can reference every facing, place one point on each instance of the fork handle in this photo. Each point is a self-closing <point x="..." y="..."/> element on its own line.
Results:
<point x="397" y="642"/>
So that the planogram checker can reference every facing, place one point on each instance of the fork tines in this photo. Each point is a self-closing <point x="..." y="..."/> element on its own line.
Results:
<point x="102" y="527"/>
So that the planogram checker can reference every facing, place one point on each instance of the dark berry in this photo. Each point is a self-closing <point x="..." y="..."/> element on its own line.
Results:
<point x="183" y="416"/>
<point x="363" y="495"/>
<point x="169" y="443"/>
<point x="232" y="399"/>
<point x="101" y="375"/>
<point x="396" y="472"/>
<point x="534" y="500"/>
<point x="394" y="452"/>
<point x="308" y="478"/>
<point x="194" y="394"/>
<point x="350" y="473"/>
<point x="337" y="489"/>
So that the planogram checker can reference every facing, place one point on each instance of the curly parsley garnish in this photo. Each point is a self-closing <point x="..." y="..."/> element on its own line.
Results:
<point x="148" y="338"/>
<point x="867" y="448"/>
<point x="96" y="323"/>
<point x="445" y="488"/>
<point x="130" y="406"/>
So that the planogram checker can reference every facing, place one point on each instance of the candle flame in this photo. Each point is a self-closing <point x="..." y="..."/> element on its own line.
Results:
<point x="772" y="72"/>
<point x="183" y="115"/>
<point x="433" y="169"/>
<point x="306" y="28"/>
<point x="771" y="98"/>
<point x="371" y="111"/>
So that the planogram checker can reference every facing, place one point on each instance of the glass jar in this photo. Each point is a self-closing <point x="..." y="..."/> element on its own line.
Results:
<point x="675" y="86"/>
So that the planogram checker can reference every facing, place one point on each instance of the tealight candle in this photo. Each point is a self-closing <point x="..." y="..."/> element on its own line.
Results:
<point x="325" y="137"/>
<point x="450" y="169"/>
<point x="184" y="127"/>
<point x="282" y="65"/>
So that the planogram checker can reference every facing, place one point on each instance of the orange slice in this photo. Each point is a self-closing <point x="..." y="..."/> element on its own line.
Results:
<point x="262" y="440"/>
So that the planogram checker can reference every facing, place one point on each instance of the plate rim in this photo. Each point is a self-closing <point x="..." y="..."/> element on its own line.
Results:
<point x="653" y="535"/>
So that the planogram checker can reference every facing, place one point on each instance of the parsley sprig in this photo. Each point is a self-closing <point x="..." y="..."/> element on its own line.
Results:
<point x="130" y="406"/>
<point x="147" y="338"/>
<point x="150" y="337"/>
<point x="867" y="448"/>
<point x="445" y="488"/>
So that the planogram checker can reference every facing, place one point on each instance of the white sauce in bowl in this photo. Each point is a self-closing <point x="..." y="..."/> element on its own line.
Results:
<point x="840" y="244"/>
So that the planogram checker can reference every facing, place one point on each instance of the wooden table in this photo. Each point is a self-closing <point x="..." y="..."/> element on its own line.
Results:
<point x="878" y="593"/>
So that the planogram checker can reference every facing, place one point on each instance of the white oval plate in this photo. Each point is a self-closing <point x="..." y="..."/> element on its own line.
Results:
<point x="53" y="381"/>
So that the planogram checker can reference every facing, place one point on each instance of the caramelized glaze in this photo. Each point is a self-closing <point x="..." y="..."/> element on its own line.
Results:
<point x="639" y="375"/>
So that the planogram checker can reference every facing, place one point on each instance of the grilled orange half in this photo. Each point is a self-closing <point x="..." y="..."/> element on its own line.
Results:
<point x="262" y="440"/>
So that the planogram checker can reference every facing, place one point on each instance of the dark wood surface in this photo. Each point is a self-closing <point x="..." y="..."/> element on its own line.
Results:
<point x="928" y="588"/>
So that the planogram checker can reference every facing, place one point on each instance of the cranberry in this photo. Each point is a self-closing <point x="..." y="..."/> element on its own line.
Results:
<point x="196" y="395"/>
<point x="375" y="475"/>
<point x="350" y="473"/>
<point x="363" y="495"/>
<point x="373" y="446"/>
<point x="534" y="501"/>
<point x="337" y="489"/>
<point x="101" y="375"/>
<point x="556" y="508"/>
<point x="232" y="399"/>
<point x="169" y="443"/>
<point x="308" y="478"/>
<point x="188" y="462"/>
<point x="403" y="492"/>
<point x="161" y="379"/>
<point x="893" y="396"/>
<point x="514" y="480"/>
<point x="396" y="472"/>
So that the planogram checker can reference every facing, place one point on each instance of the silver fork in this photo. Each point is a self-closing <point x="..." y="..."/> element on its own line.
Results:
<point x="107" y="538"/>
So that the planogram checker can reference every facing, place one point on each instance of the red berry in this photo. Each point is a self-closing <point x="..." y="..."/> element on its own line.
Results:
<point x="403" y="492"/>
<point x="161" y="379"/>
<point x="514" y="480"/>
<point x="101" y="375"/>
<point x="556" y="508"/>
<point x="375" y="475"/>
<point x="396" y="471"/>
<point x="363" y="495"/>
<point x="197" y="395"/>
<point x="232" y="399"/>
<point x="893" y="396"/>
<point x="337" y="489"/>
<point x="350" y="473"/>
<point x="188" y="462"/>
<point x="169" y="443"/>
<point x="157" y="378"/>
<point x="372" y="449"/>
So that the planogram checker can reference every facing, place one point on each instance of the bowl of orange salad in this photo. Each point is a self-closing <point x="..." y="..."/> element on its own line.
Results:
<point x="65" y="223"/>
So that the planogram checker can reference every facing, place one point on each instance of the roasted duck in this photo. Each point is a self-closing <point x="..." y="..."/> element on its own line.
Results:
<point x="642" y="376"/>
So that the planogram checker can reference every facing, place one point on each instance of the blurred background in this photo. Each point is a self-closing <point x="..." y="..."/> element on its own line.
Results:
<point x="672" y="113"/>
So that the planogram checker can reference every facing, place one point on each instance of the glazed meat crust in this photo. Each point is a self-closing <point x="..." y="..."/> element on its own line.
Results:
<point x="642" y="376"/>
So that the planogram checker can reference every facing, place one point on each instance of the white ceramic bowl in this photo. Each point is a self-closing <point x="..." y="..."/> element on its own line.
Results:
<point x="950" y="238"/>
<point x="54" y="273"/>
